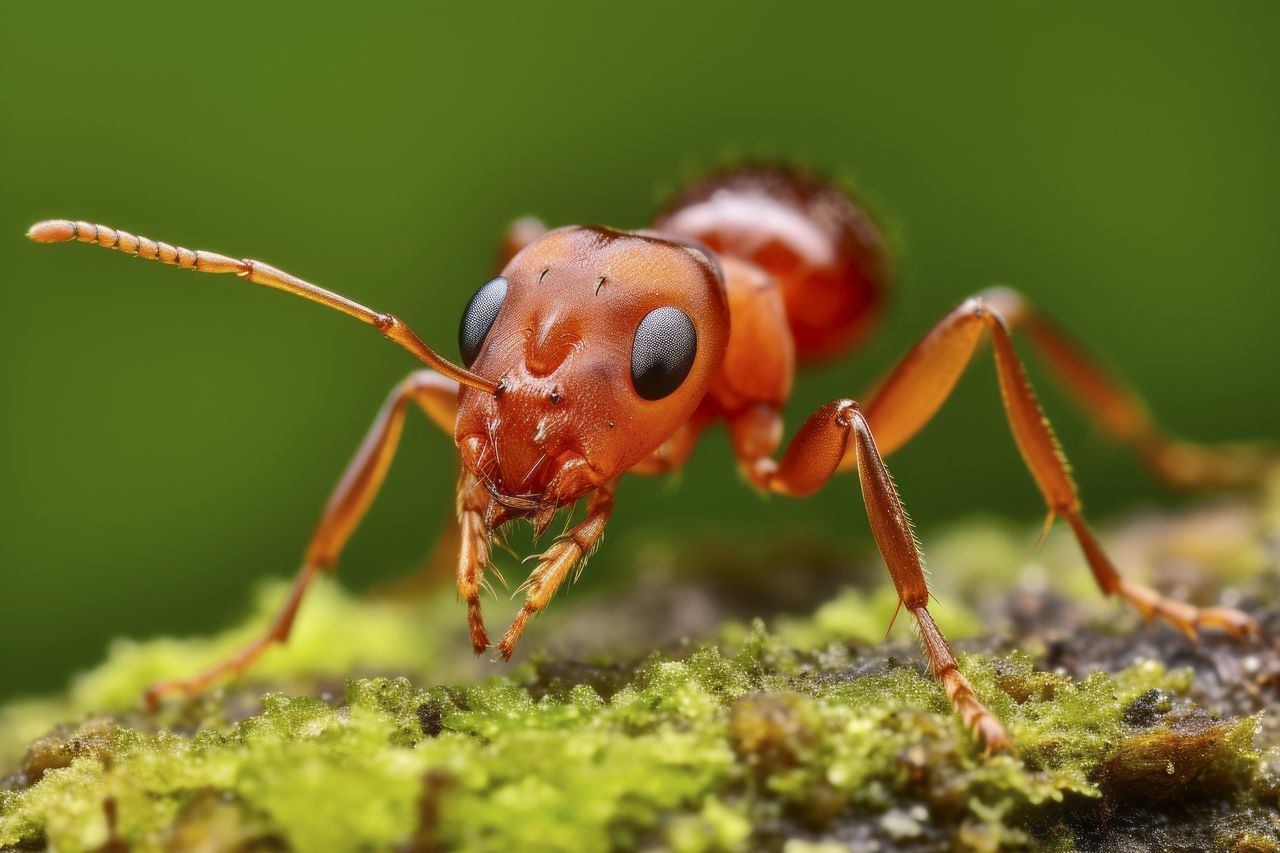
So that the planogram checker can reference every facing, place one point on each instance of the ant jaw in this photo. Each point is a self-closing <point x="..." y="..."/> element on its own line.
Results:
<point x="575" y="478"/>
<point x="543" y="518"/>
<point x="517" y="506"/>
<point x="564" y="476"/>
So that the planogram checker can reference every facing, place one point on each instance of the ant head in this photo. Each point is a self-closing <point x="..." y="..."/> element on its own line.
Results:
<point x="602" y="343"/>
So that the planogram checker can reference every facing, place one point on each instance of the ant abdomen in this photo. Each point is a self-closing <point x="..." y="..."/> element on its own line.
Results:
<point x="824" y="251"/>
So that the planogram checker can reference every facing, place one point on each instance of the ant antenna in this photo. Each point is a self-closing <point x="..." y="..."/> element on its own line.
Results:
<point x="64" y="230"/>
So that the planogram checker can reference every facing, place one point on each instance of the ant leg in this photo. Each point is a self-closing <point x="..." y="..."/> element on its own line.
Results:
<point x="810" y="460"/>
<point x="474" y="555"/>
<point x="1121" y="414"/>
<point x="437" y="396"/>
<point x="924" y="379"/>
<point x="556" y="562"/>
<point x="254" y="272"/>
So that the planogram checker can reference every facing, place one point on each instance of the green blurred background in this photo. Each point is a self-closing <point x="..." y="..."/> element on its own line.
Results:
<point x="166" y="438"/>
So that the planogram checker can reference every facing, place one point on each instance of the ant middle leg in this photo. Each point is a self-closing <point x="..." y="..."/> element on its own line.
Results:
<point x="355" y="491"/>
<point x="811" y="459"/>
<point x="923" y="380"/>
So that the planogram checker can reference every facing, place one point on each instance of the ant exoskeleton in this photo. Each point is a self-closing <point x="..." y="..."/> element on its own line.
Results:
<point x="598" y="352"/>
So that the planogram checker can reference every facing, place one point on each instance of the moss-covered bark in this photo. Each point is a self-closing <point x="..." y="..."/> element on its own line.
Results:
<point x="806" y="734"/>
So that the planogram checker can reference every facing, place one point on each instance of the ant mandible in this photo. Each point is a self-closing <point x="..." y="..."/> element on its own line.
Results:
<point x="598" y="352"/>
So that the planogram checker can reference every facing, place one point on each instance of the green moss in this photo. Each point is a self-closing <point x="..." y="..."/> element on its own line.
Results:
<point x="340" y="636"/>
<point x="702" y="753"/>
<point x="854" y="615"/>
<point x="811" y="735"/>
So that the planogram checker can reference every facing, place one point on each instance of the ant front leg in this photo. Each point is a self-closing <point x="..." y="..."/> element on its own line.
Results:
<point x="474" y="555"/>
<point x="924" y="379"/>
<point x="438" y="398"/>
<point x="812" y="458"/>
<point x="555" y="563"/>
<point x="435" y="390"/>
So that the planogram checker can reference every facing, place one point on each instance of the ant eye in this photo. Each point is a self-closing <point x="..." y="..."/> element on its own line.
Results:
<point x="662" y="353"/>
<point x="481" y="311"/>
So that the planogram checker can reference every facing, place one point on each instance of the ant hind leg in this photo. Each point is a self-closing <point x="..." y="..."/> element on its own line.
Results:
<point x="925" y="377"/>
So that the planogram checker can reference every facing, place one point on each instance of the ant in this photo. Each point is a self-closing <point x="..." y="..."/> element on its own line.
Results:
<point x="596" y="352"/>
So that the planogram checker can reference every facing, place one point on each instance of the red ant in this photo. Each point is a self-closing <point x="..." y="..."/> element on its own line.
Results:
<point x="598" y="352"/>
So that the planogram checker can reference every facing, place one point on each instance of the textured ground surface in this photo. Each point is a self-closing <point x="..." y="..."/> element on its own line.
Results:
<point x="702" y="730"/>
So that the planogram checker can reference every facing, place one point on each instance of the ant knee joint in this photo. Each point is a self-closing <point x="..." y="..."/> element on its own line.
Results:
<point x="917" y="604"/>
<point x="986" y="312"/>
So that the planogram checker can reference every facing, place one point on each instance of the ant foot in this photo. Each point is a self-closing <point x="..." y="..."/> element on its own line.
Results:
<point x="554" y="565"/>
<point x="189" y="687"/>
<point x="1187" y="618"/>
<point x="197" y="684"/>
<point x="475" y="622"/>
<point x="990" y="732"/>
<point x="507" y="645"/>
<point x="986" y="726"/>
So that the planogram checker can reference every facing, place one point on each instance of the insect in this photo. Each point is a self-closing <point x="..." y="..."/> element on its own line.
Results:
<point x="596" y="352"/>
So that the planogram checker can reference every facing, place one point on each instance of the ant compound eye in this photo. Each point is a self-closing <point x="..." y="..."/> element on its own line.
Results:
<point x="663" y="352"/>
<point x="478" y="319"/>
